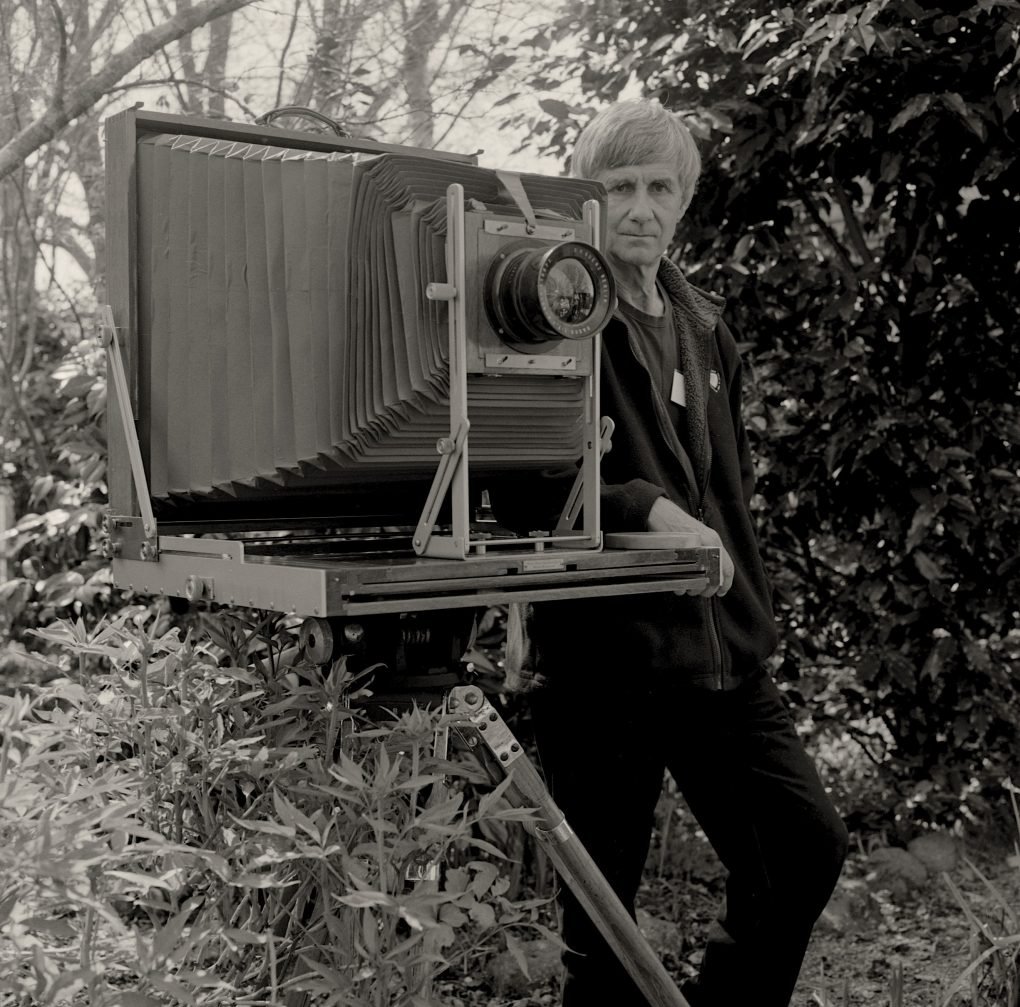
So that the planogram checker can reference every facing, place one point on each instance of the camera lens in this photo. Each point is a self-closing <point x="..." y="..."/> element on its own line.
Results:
<point x="536" y="294"/>
<point x="570" y="291"/>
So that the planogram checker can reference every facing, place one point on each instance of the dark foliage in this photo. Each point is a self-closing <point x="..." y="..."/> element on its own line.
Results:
<point x="860" y="209"/>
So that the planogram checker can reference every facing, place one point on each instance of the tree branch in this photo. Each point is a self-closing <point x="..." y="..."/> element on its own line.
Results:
<point x="53" y="279"/>
<point x="283" y="54"/>
<point x="64" y="238"/>
<point x="846" y="267"/>
<point x="165" y="56"/>
<point x="58" y="89"/>
<point x="188" y="60"/>
<point x="133" y="85"/>
<point x="54" y="119"/>
<point x="853" y="226"/>
<point x="33" y="434"/>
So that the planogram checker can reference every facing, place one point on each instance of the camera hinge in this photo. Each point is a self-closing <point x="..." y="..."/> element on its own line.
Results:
<point x="117" y="380"/>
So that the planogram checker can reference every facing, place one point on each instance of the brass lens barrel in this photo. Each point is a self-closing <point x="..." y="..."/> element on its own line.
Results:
<point x="541" y="293"/>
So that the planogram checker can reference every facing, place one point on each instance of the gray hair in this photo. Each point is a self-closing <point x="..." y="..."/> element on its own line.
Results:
<point x="637" y="132"/>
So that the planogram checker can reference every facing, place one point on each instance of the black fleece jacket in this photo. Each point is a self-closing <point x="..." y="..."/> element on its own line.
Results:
<point x="706" y="468"/>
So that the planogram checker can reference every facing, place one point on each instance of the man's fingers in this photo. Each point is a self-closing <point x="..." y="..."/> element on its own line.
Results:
<point x="726" y="566"/>
<point x="666" y="516"/>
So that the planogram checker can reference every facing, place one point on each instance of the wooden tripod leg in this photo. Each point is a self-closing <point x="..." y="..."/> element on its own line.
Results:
<point x="475" y="713"/>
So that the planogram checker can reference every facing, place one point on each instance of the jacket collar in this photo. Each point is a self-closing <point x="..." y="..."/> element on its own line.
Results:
<point x="703" y="307"/>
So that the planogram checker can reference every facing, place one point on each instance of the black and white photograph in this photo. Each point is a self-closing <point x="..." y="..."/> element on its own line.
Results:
<point x="509" y="504"/>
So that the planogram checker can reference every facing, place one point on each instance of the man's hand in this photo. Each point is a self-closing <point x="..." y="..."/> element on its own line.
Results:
<point x="665" y="516"/>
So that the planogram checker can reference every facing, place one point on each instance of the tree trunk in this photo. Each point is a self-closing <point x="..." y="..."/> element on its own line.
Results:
<point x="419" y="40"/>
<point x="216" y="65"/>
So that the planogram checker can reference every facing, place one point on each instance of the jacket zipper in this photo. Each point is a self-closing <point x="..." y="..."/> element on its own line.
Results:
<point x="714" y="633"/>
<point x="662" y="418"/>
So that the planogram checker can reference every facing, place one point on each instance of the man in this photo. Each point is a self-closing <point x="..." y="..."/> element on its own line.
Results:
<point x="640" y="684"/>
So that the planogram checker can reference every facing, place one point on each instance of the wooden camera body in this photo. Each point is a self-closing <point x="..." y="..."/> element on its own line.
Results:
<point x="321" y="349"/>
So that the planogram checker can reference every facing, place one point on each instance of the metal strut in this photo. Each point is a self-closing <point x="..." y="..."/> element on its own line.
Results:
<point x="575" y="499"/>
<point x="117" y="376"/>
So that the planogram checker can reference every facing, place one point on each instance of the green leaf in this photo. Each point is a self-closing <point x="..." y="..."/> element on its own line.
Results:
<point x="364" y="900"/>
<point x="483" y="914"/>
<point x="922" y="521"/>
<point x="267" y="828"/>
<point x="557" y="109"/>
<point x="243" y="936"/>
<point x="337" y="980"/>
<point x="955" y="102"/>
<point x="917" y="105"/>
<point x="170" y="986"/>
<point x="485" y="875"/>
<point x="292" y="816"/>
<point x="144" y="881"/>
<point x="167" y="937"/>
<point x="59" y="590"/>
<point x="349" y="772"/>
<point x="453" y="916"/>
<point x="457" y="880"/>
<point x="507" y="99"/>
<point x="486" y="847"/>
<point x="513" y="945"/>
<point x="58" y="927"/>
<point x="926" y="566"/>
<point x="254" y="879"/>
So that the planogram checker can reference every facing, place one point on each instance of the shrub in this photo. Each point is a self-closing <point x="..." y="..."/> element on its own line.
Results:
<point x="206" y="821"/>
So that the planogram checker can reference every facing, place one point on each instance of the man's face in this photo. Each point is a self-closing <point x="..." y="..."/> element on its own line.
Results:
<point x="645" y="205"/>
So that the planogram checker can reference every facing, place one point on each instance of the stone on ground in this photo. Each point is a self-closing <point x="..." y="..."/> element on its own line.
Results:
<point x="896" y="870"/>
<point x="662" y="935"/>
<point x="938" y="851"/>
<point x="543" y="960"/>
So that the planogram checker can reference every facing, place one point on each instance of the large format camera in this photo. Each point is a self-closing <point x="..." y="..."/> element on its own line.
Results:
<point x="324" y="350"/>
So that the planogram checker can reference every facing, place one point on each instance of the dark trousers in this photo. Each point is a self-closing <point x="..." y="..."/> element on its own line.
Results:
<point x="604" y="742"/>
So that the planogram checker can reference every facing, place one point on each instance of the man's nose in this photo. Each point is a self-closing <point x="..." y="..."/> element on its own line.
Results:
<point x="640" y="207"/>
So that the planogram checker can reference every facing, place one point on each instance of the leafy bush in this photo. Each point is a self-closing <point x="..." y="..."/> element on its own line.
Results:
<point x="56" y="566"/>
<point x="860" y="212"/>
<point x="206" y="821"/>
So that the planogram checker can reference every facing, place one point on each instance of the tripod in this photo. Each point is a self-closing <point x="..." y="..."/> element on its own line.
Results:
<point x="428" y="645"/>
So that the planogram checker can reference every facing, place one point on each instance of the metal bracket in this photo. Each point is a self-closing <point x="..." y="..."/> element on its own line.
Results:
<point x="511" y="181"/>
<point x="469" y="702"/>
<point x="128" y="539"/>
<point x="452" y="475"/>
<point x="452" y="451"/>
<point x="117" y="377"/>
<point x="574" y="500"/>
<point x="515" y="229"/>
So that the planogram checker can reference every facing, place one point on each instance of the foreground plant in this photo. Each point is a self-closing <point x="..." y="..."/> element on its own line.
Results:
<point x="993" y="975"/>
<point x="211" y="823"/>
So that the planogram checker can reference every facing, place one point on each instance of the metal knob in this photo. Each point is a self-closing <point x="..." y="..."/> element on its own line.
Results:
<point x="316" y="636"/>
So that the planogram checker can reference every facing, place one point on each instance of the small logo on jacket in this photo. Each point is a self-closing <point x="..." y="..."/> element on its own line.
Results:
<point x="714" y="381"/>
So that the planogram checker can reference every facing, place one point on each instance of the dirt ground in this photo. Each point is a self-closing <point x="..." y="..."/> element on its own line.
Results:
<point x="874" y="946"/>
<point x="922" y="934"/>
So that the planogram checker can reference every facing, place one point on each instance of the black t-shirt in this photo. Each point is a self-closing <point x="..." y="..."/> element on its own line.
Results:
<point x="657" y="338"/>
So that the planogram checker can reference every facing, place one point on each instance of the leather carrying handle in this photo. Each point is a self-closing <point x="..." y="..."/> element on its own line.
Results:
<point x="300" y="110"/>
